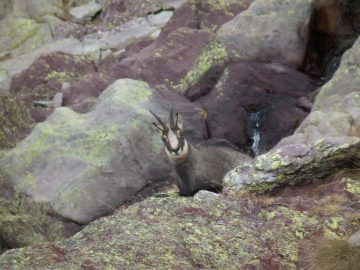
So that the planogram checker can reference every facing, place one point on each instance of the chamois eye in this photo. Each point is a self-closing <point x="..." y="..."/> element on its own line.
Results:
<point x="164" y="138"/>
<point x="179" y="133"/>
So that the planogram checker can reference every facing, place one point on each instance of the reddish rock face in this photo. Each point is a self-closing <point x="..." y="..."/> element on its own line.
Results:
<point x="281" y="121"/>
<point x="44" y="78"/>
<point x="204" y="15"/>
<point x="249" y="88"/>
<point x="53" y="69"/>
<point x="164" y="63"/>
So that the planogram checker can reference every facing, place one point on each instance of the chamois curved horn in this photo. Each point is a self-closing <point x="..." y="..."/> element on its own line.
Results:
<point x="160" y="121"/>
<point x="172" y="124"/>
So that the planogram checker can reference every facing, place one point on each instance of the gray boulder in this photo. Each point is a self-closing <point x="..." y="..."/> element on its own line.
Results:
<point x="275" y="32"/>
<point x="85" y="165"/>
<point x="39" y="8"/>
<point x="336" y="107"/>
<point x="85" y="12"/>
<point x="293" y="164"/>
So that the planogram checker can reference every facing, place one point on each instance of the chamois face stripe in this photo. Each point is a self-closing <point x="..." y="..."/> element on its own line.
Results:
<point x="173" y="140"/>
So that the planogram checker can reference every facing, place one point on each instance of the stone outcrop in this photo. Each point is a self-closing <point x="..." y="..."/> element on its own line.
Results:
<point x="293" y="164"/>
<point x="336" y="108"/>
<point x="208" y="231"/>
<point x="84" y="165"/>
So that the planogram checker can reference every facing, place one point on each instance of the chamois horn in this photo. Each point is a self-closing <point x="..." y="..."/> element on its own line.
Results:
<point x="160" y="121"/>
<point x="172" y="124"/>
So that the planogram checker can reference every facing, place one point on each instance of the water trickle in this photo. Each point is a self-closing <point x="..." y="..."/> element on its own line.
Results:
<point x="255" y="119"/>
<point x="254" y="124"/>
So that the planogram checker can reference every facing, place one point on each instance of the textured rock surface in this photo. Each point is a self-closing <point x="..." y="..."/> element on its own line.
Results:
<point x="206" y="232"/>
<point x="335" y="107"/>
<point x="253" y="87"/>
<point x="250" y="37"/>
<point x="293" y="164"/>
<point x="83" y="164"/>
<point x="44" y="78"/>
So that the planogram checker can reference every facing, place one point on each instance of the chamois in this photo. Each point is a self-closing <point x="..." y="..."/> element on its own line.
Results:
<point x="200" y="167"/>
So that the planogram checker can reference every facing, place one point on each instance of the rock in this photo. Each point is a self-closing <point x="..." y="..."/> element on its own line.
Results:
<point x="92" y="48"/>
<point x="95" y="161"/>
<point x="39" y="8"/>
<point x="15" y="120"/>
<point x="131" y="30"/>
<point x="53" y="23"/>
<point x="4" y="80"/>
<point x="337" y="101"/>
<point x="5" y="7"/>
<point x="45" y="76"/>
<point x="105" y="54"/>
<point x="195" y="232"/>
<point x="55" y="103"/>
<point x="159" y="19"/>
<point x="355" y="239"/>
<point x="298" y="138"/>
<point x="293" y="164"/>
<point x="85" y="12"/>
<point x="264" y="43"/>
<point x="204" y="195"/>
<point x="250" y="88"/>
<point x="16" y="65"/>
<point x="15" y="32"/>
<point x="81" y="95"/>
<point x="171" y="58"/>
<point x="136" y="46"/>
<point x="207" y="15"/>
<point x="305" y="104"/>
<point x="281" y="121"/>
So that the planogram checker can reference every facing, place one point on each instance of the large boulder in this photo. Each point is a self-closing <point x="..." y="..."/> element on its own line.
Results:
<point x="171" y="59"/>
<point x="84" y="165"/>
<point x="293" y="164"/>
<point x="251" y="37"/>
<point x="39" y="8"/>
<point x="15" y="121"/>
<point x="243" y="89"/>
<point x="45" y="78"/>
<point x="209" y="231"/>
<point x="337" y="106"/>
<point x="17" y="64"/>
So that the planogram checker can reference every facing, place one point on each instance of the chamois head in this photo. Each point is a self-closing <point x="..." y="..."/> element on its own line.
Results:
<point x="176" y="146"/>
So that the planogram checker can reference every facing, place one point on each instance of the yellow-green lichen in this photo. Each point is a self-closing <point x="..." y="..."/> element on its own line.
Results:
<point x="213" y="54"/>
<point x="352" y="185"/>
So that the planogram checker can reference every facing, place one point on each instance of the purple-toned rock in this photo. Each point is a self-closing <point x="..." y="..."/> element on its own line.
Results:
<point x="281" y="121"/>
<point x="250" y="37"/>
<point x="44" y="78"/>
<point x="269" y="89"/>
<point x="206" y="14"/>
<point x="50" y="70"/>
<point x="162" y="64"/>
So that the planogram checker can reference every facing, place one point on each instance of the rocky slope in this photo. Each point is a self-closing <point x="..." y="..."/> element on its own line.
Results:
<point x="233" y="69"/>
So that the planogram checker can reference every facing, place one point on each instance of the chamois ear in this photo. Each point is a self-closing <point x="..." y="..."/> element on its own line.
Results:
<point x="179" y="121"/>
<point x="157" y="129"/>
